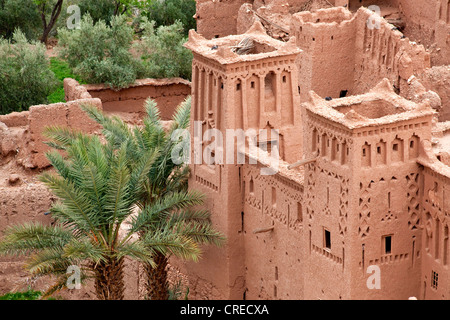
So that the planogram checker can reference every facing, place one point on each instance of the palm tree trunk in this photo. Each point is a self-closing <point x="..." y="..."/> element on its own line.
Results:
<point x="157" y="285"/>
<point x="109" y="284"/>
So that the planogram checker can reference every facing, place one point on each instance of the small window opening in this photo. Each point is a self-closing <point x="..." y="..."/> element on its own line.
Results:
<point x="252" y="84"/>
<point x="238" y="87"/>
<point x="387" y="244"/>
<point x="274" y="197"/>
<point x="395" y="147"/>
<point x="327" y="239"/>
<point x="434" y="280"/>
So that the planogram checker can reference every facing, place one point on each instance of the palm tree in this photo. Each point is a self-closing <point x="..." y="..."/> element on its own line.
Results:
<point x="165" y="178"/>
<point x="97" y="193"/>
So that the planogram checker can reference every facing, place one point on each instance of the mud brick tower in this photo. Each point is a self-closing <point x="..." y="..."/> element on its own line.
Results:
<point x="362" y="200"/>
<point x="255" y="90"/>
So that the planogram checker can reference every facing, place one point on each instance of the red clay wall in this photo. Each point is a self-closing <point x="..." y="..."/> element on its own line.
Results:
<point x="217" y="18"/>
<point x="168" y="94"/>
<point x="437" y="79"/>
<point x="274" y="259"/>
<point x="435" y="236"/>
<point x="436" y="207"/>
<point x="59" y="114"/>
<point x="25" y="202"/>
<point x="327" y="63"/>
<point x="382" y="53"/>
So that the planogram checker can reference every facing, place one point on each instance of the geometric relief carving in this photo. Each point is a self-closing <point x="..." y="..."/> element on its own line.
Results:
<point x="388" y="259"/>
<point x="343" y="198"/>
<point x="343" y="206"/>
<point x="253" y="202"/>
<point x="275" y="214"/>
<point x="327" y="254"/>
<point x="389" y="216"/>
<point x="310" y="189"/>
<point x="206" y="183"/>
<point x="364" y="211"/>
<point x="326" y="211"/>
<point x="412" y="187"/>
<point x="294" y="214"/>
<point x="288" y="217"/>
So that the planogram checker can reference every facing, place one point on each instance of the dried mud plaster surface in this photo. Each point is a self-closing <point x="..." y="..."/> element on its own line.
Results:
<point x="362" y="113"/>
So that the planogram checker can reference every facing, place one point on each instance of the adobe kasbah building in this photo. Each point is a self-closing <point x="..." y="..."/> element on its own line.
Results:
<point x="351" y="198"/>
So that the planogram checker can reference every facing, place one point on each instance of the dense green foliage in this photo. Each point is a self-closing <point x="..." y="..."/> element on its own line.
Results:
<point x="26" y="295"/>
<point x="61" y="70"/>
<point x="167" y="12"/>
<point x="99" y="53"/>
<point x="162" y="51"/>
<point x="22" y="14"/>
<point x="98" y="9"/>
<point x="25" y="76"/>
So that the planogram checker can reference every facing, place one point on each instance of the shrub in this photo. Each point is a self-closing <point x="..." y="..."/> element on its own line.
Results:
<point x="162" y="51"/>
<point x="21" y="14"/>
<point x="25" y="76"/>
<point x="100" y="53"/>
<point x="167" y="12"/>
<point x="98" y="10"/>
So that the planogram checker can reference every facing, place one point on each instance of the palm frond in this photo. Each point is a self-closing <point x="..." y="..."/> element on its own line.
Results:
<point x="202" y="233"/>
<point x="49" y="261"/>
<point x="84" y="249"/>
<point x="182" y="115"/>
<point x="161" y="208"/>
<point x="140" y="172"/>
<point x="75" y="200"/>
<point x="115" y="130"/>
<point x="188" y="215"/>
<point x="136" y="250"/>
<point x="31" y="237"/>
<point x="61" y="137"/>
<point x="153" y="113"/>
<point x="169" y="243"/>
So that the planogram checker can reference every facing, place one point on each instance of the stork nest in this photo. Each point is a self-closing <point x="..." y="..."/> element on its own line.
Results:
<point x="245" y="46"/>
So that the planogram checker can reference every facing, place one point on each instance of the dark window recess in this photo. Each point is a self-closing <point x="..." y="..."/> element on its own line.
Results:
<point x="387" y="244"/>
<point x="327" y="239"/>
<point x="343" y="93"/>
